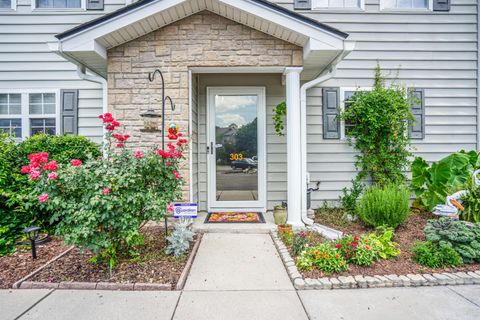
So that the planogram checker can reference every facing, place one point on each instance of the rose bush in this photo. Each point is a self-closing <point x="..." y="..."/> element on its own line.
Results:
<point x="101" y="204"/>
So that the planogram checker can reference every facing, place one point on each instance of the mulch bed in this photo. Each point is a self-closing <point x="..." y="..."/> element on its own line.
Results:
<point x="18" y="265"/>
<point x="406" y="235"/>
<point x="152" y="265"/>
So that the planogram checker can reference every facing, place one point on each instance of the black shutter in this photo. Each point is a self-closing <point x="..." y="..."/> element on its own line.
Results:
<point x="69" y="112"/>
<point x="95" y="4"/>
<point x="441" y="5"/>
<point x="302" y="4"/>
<point x="417" y="128"/>
<point x="331" y="113"/>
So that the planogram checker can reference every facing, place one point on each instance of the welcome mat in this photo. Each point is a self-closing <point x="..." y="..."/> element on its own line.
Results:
<point x="235" y="217"/>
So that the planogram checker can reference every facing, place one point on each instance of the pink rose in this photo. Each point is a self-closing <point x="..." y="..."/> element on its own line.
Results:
<point x="51" y="166"/>
<point x="106" y="191"/>
<point x="170" y="207"/>
<point x="76" y="162"/>
<point x="43" y="197"/>
<point x="177" y="174"/>
<point x="139" y="154"/>
<point x="34" y="174"/>
<point x="25" y="169"/>
<point x="52" y="176"/>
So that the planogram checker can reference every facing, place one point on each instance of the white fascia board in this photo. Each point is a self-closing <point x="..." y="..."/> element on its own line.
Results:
<point x="92" y="46"/>
<point x="283" y="20"/>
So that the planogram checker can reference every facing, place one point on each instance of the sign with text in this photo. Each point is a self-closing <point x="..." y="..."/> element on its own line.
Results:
<point x="185" y="210"/>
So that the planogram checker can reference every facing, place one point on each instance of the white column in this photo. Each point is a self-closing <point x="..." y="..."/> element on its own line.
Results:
<point x="294" y="147"/>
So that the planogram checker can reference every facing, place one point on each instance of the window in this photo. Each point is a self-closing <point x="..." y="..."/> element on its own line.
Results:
<point x="25" y="114"/>
<point x="405" y="4"/>
<point x="338" y="4"/>
<point x="58" y="4"/>
<point x="8" y="4"/>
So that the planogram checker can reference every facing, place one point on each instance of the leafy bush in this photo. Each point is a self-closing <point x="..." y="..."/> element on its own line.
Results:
<point x="380" y="132"/>
<point x="471" y="202"/>
<point x="102" y="203"/>
<point x="436" y="255"/>
<point x="350" y="196"/>
<point x="462" y="236"/>
<point x="383" y="239"/>
<point x="299" y="243"/>
<point x="279" y="114"/>
<point x="388" y="205"/>
<point x="323" y="257"/>
<point x="179" y="240"/>
<point x="433" y="183"/>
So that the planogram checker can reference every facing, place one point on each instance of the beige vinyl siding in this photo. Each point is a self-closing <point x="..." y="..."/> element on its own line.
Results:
<point x="276" y="146"/>
<point x="432" y="50"/>
<point x="26" y="62"/>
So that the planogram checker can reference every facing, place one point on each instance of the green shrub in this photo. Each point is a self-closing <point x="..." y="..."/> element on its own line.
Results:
<point x="358" y="250"/>
<point x="299" y="243"/>
<point x="388" y="205"/>
<point x="350" y="196"/>
<point x="383" y="239"/>
<point x="433" y="183"/>
<point x="436" y="255"/>
<point x="324" y="257"/>
<point x="462" y="236"/>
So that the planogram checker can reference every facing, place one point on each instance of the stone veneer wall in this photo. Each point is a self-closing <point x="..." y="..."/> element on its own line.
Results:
<point x="204" y="39"/>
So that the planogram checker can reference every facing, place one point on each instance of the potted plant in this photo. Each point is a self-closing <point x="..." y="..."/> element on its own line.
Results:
<point x="280" y="214"/>
<point x="285" y="229"/>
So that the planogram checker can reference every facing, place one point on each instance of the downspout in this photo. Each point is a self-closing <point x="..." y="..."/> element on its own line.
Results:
<point x="324" y="76"/>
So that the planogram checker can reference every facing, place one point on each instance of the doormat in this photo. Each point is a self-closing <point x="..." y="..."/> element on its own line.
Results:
<point x="235" y="217"/>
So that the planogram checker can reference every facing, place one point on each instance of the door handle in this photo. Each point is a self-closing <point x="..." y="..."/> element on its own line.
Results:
<point x="210" y="148"/>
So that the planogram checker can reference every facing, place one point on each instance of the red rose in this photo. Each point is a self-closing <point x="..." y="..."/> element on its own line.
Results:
<point x="76" y="162"/>
<point x="139" y="154"/>
<point x="25" y="169"/>
<point x="50" y="166"/>
<point x="338" y="246"/>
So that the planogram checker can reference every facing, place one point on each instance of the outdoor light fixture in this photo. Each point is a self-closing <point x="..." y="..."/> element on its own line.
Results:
<point x="32" y="235"/>
<point x="150" y="121"/>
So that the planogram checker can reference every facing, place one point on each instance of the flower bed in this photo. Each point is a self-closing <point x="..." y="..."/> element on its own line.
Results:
<point x="19" y="264"/>
<point x="150" y="266"/>
<point x="334" y="262"/>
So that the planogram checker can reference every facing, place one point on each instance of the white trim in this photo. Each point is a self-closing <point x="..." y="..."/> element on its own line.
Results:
<point x="190" y="133"/>
<point x="261" y="203"/>
<point x="26" y="116"/>
<point x="83" y="7"/>
<point x="342" y="9"/>
<point x="13" y="6"/>
<point x="342" y="105"/>
<point x="389" y="9"/>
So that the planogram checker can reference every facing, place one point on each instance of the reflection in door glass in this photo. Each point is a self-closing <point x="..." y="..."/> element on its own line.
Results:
<point x="236" y="147"/>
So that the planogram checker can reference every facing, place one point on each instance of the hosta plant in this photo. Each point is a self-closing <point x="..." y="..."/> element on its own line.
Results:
<point x="101" y="203"/>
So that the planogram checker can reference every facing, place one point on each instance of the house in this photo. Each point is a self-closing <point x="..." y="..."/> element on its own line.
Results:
<point x="64" y="62"/>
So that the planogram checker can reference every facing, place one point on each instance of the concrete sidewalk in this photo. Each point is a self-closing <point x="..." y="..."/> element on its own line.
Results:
<point x="240" y="276"/>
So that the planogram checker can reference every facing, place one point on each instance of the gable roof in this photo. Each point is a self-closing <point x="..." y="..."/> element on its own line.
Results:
<point x="87" y="44"/>
<point x="141" y="3"/>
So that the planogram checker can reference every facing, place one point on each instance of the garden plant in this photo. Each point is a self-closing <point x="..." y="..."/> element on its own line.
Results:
<point x="101" y="203"/>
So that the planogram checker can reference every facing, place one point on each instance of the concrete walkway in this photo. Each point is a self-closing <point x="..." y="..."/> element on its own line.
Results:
<point x="240" y="276"/>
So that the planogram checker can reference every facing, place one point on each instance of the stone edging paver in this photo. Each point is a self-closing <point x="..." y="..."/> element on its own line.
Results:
<point x="25" y="284"/>
<point x="378" y="281"/>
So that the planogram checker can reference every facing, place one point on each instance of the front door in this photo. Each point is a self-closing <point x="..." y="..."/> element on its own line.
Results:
<point x="236" y="149"/>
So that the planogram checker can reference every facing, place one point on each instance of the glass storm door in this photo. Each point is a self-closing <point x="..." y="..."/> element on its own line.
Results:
<point x="236" y="148"/>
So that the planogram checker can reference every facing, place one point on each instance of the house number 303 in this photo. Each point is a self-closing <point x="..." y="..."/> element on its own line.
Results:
<point x="236" y="156"/>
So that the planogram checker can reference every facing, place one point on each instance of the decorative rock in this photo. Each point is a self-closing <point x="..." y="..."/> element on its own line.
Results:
<point x="397" y="282"/>
<point x="457" y="279"/>
<point x="299" y="284"/>
<point x="373" y="282"/>
<point x="475" y="277"/>
<point x="443" y="279"/>
<point x="431" y="280"/>
<point x="387" y="282"/>
<point x="347" y="282"/>
<point x="311" y="284"/>
<point x="296" y="275"/>
<point x="77" y="285"/>
<point x="291" y="270"/>
<point x="416" y="280"/>
<point x="152" y="287"/>
<point x="335" y="283"/>
<point x="405" y="281"/>
<point x="325" y="283"/>
<point x="289" y="264"/>
<point x="115" y="286"/>
<point x="466" y="278"/>
<point x="361" y="282"/>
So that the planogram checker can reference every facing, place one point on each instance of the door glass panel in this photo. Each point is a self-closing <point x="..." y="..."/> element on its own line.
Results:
<point x="236" y="147"/>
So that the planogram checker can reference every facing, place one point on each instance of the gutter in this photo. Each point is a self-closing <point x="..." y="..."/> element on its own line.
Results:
<point x="324" y="76"/>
